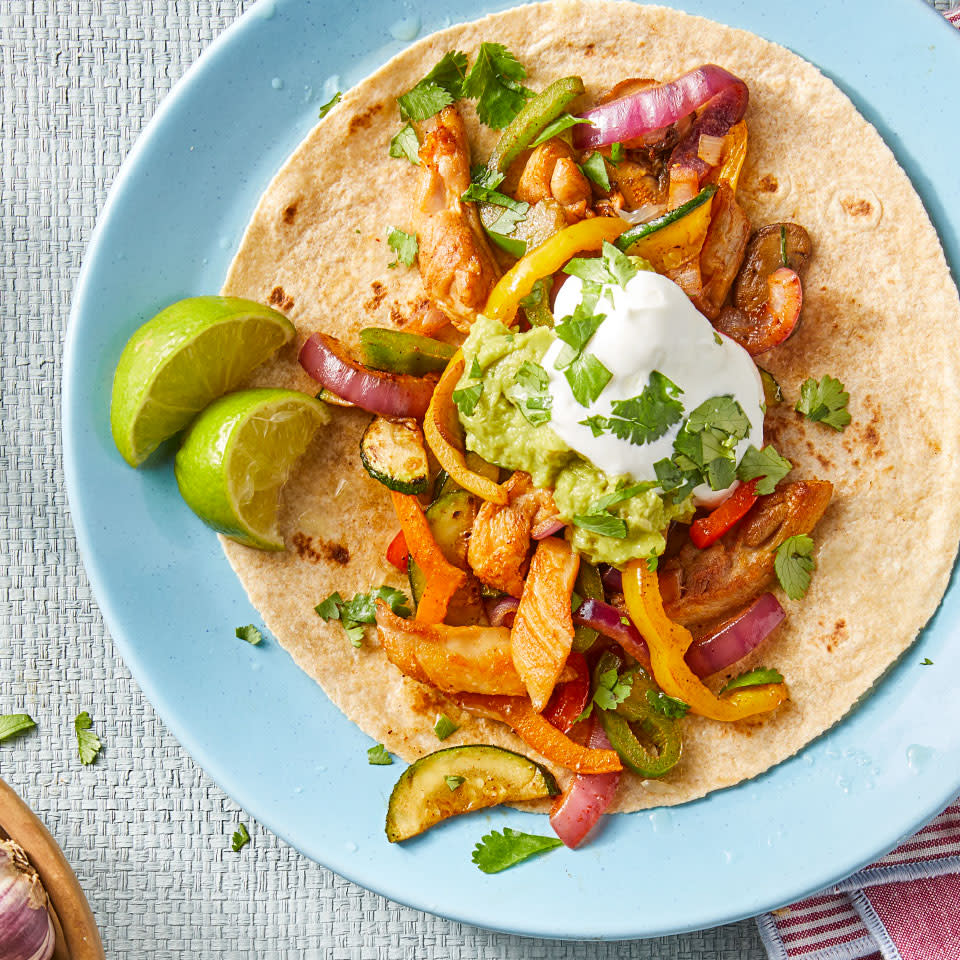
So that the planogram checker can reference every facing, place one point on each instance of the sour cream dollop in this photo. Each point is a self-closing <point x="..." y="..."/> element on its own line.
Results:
<point x="651" y="325"/>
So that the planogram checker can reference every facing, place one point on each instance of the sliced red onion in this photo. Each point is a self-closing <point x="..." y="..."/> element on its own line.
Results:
<point x="656" y="107"/>
<point x="547" y="530"/>
<point x="606" y="619"/>
<point x="736" y="639"/>
<point x="587" y="798"/>
<point x="612" y="580"/>
<point x="26" y="930"/>
<point x="329" y="362"/>
<point x="501" y="611"/>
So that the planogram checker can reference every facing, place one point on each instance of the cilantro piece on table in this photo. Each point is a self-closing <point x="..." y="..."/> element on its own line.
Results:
<point x="497" y="851"/>
<point x="404" y="143"/>
<point x="444" y="726"/>
<point x="553" y="129"/>
<point x="329" y="105"/>
<point x="645" y="417"/>
<point x="88" y="743"/>
<point x="925" y="662"/>
<point x="454" y="782"/>
<point x="249" y="633"/>
<point x="377" y="756"/>
<point x="13" y="723"/>
<point x="754" y="678"/>
<point x="404" y="245"/>
<point x="529" y="393"/>
<point x="240" y="838"/>
<point x="438" y="89"/>
<point x="824" y="402"/>
<point x="667" y="706"/>
<point x="793" y="564"/>
<point x="766" y="466"/>
<point x="361" y="609"/>
<point x="595" y="168"/>
<point x="494" y="82"/>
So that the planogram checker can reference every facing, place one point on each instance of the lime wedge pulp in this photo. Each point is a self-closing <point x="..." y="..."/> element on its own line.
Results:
<point x="237" y="455"/>
<point x="185" y="357"/>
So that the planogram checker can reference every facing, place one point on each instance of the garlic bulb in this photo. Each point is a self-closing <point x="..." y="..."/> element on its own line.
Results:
<point x="26" y="930"/>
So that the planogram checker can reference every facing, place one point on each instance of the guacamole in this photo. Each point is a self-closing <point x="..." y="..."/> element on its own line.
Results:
<point x="500" y="433"/>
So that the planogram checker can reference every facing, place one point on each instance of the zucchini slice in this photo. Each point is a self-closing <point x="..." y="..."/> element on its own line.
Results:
<point x="402" y="352"/>
<point x="423" y="796"/>
<point x="451" y="520"/>
<point x="392" y="451"/>
<point x="643" y="230"/>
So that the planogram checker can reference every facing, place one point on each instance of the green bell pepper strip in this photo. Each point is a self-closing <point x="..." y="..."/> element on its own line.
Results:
<point x="589" y="586"/>
<point x="536" y="114"/>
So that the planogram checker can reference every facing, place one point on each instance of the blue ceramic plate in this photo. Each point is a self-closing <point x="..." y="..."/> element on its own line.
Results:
<point x="264" y="730"/>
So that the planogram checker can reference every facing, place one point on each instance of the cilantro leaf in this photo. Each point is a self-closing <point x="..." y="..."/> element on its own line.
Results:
<point x="587" y="377"/>
<point x="793" y="564"/>
<point x="329" y="609"/>
<point x="484" y="194"/>
<point x="476" y="371"/>
<point x="467" y="398"/>
<point x="595" y="169"/>
<point x="444" y="726"/>
<point x="553" y="129"/>
<point x="824" y="402"/>
<point x="454" y="782"/>
<point x="529" y="393"/>
<point x="925" y="662"/>
<point x="612" y="267"/>
<point x="652" y="563"/>
<point x="240" y="838"/>
<point x="721" y="413"/>
<point x="438" y="89"/>
<point x="612" y="688"/>
<point x="604" y="524"/>
<point x="361" y="609"/>
<point x="494" y="82"/>
<point x="721" y="472"/>
<point x="13" y="723"/>
<point x="497" y="851"/>
<point x="377" y="756"/>
<point x="329" y="105"/>
<point x="404" y="245"/>
<point x="754" y="678"/>
<point x="484" y="176"/>
<point x="666" y="705"/>
<point x="647" y="416"/>
<point x="575" y="331"/>
<point x="88" y="743"/>
<point x="618" y="264"/>
<point x="618" y="496"/>
<point x="249" y="633"/>
<point x="617" y="153"/>
<point x="765" y="464"/>
<point x="404" y="143"/>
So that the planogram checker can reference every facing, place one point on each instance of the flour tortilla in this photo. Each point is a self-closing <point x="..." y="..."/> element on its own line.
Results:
<point x="880" y="312"/>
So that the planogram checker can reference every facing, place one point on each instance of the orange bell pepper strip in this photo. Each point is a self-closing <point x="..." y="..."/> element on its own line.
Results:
<point x="734" y="152"/>
<point x="547" y="259"/>
<point x="539" y="734"/>
<point x="714" y="525"/>
<point x="668" y="643"/>
<point x="443" y="578"/>
<point x="444" y="436"/>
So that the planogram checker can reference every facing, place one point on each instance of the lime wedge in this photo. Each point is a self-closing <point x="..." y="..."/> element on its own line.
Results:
<point x="238" y="454"/>
<point x="185" y="357"/>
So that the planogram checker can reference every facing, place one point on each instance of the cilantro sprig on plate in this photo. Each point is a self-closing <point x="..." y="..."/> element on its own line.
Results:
<point x="497" y="851"/>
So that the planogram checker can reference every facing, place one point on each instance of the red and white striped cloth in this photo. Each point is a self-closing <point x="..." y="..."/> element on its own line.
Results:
<point x="906" y="906"/>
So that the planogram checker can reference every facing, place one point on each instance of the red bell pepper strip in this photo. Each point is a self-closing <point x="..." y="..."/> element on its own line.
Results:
<point x="397" y="552"/>
<point x="713" y="526"/>
<point x="570" y="699"/>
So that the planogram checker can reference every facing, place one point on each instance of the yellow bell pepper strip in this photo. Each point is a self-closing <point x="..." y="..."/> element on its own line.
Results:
<point x="443" y="578"/>
<point x="668" y="643"/>
<point x="734" y="152"/>
<point x="545" y="260"/>
<point x="444" y="436"/>
<point x="538" y="733"/>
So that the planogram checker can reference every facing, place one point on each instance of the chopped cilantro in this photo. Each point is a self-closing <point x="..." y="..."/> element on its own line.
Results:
<point x="497" y="851"/>
<point x="537" y="303"/>
<point x="404" y="143"/>
<point x="249" y="633"/>
<point x="595" y="169"/>
<point x="377" y="756"/>
<point x="468" y="398"/>
<point x="603" y="524"/>
<point x="476" y="372"/>
<point x="362" y="609"/>
<point x="793" y="564"/>
<point x="824" y="402"/>
<point x="13" y="723"/>
<point x="88" y="743"/>
<point x="553" y="129"/>
<point x="484" y="176"/>
<point x="717" y="339"/>
<point x="617" y="153"/>
<point x="454" y="782"/>
<point x="444" y="726"/>
<point x="494" y="82"/>
<point x="754" y="678"/>
<point x="486" y="194"/>
<point x="765" y="464"/>
<point x="612" y="688"/>
<point x="329" y="105"/>
<point x="720" y="413"/>
<point x="612" y="267"/>
<point x="652" y="563"/>
<point x="618" y="496"/>
<point x="529" y="394"/>
<point x="240" y="838"/>
<point x="720" y="473"/>
<point x="404" y="245"/>
<point x="666" y="705"/>
<point x="925" y="662"/>
<point x="587" y="377"/>
<point x="438" y="89"/>
<point x="576" y="331"/>
<point x="645" y="417"/>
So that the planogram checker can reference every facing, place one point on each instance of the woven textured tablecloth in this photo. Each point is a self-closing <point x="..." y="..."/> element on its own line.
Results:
<point x="147" y="832"/>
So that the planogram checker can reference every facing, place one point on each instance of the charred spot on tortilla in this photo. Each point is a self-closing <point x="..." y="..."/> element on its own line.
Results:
<point x="856" y="207"/>
<point x="278" y="298"/>
<point x="290" y="212"/>
<point x="768" y="184"/>
<point x="362" y="120"/>
<point x="589" y="49"/>
<point x="378" y="292"/>
<point x="317" y="550"/>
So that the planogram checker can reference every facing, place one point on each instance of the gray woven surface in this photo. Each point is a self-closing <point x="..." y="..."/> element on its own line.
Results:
<point x="145" y="829"/>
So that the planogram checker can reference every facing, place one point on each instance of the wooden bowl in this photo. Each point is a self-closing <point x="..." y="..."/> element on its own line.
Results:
<point x="77" y="934"/>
